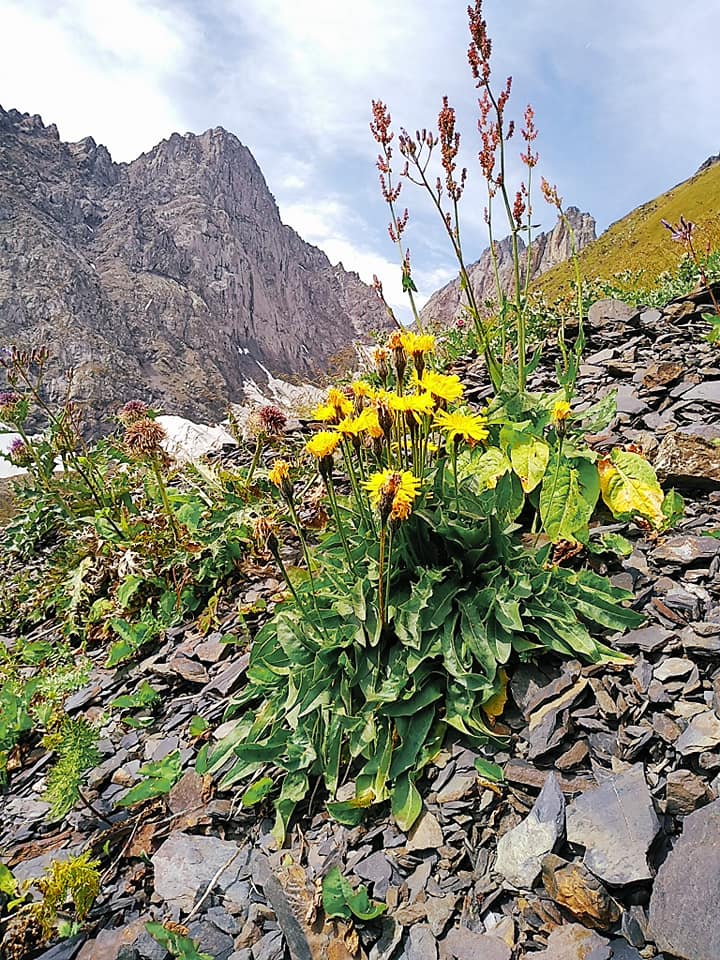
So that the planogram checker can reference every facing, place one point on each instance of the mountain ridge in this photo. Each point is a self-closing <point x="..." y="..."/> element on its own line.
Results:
<point x="171" y="277"/>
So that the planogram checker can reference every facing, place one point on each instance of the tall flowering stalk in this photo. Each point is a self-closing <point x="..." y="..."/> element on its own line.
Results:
<point x="495" y="131"/>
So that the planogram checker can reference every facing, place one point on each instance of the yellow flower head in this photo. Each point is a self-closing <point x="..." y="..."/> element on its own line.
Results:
<point x="323" y="444"/>
<point x="325" y="413"/>
<point x="336" y="398"/>
<point x="368" y="421"/>
<point x="442" y="386"/>
<point x="350" y="427"/>
<point x="560" y="411"/>
<point x="463" y="426"/>
<point x="381" y="357"/>
<point x="418" y="404"/>
<point x="393" y="493"/>
<point x="395" y="341"/>
<point x="361" y="388"/>
<point x="417" y="343"/>
<point x="280" y="476"/>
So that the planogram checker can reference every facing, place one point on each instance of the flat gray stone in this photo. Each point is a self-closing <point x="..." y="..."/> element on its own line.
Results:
<point x="426" y="834"/>
<point x="687" y="549"/>
<point x="421" y="944"/>
<point x="573" y="942"/>
<point x="185" y="864"/>
<point x="463" y="944"/>
<point x="684" y="920"/>
<point x="521" y="850"/>
<point x="648" y="639"/>
<point x="707" y="392"/>
<point x="616" y="824"/>
<point x="609" y="310"/>
<point x="702" y="733"/>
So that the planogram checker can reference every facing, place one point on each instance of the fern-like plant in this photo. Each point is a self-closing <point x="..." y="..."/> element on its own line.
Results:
<point x="75" y="742"/>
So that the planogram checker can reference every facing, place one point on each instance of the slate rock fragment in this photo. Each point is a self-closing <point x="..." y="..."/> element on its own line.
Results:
<point x="688" y="461"/>
<point x="520" y="851"/>
<point x="185" y="865"/>
<point x="462" y="943"/>
<point x="572" y="886"/>
<point x="702" y="733"/>
<point x="573" y="942"/>
<point x="687" y="549"/>
<point x="685" y="792"/>
<point x="684" y="920"/>
<point x="616" y="823"/>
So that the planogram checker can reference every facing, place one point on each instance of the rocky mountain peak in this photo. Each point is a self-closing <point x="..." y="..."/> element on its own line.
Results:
<point x="548" y="249"/>
<point x="171" y="277"/>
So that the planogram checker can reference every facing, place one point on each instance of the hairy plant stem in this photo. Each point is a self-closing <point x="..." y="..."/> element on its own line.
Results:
<point x="381" y="573"/>
<point x="330" y="487"/>
<point x="255" y="460"/>
<point x="165" y="499"/>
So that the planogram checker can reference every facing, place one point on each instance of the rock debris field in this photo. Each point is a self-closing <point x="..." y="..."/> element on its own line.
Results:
<point x="603" y="840"/>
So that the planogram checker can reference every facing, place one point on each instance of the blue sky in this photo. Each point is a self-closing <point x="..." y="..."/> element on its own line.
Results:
<point x="624" y="93"/>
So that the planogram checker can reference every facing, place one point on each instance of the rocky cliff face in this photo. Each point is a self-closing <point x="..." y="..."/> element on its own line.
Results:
<point x="548" y="249"/>
<point x="171" y="278"/>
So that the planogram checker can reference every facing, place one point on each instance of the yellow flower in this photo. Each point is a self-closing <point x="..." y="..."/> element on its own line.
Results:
<point x="361" y="388"/>
<point x="325" y="413"/>
<point x="417" y="404"/>
<point x="560" y="411"/>
<point x="323" y="444"/>
<point x="280" y="476"/>
<point x="417" y="343"/>
<point x="368" y="420"/>
<point x="442" y="386"/>
<point x="336" y="398"/>
<point x="462" y="425"/>
<point x="393" y="493"/>
<point x="395" y="341"/>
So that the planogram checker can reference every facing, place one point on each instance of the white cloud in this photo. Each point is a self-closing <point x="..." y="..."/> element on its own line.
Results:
<point x="98" y="69"/>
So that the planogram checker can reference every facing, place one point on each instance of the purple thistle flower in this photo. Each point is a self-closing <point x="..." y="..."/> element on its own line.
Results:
<point x="19" y="453"/>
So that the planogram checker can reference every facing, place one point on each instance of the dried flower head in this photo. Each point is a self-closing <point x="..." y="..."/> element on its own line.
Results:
<point x="131" y="411"/>
<point x="381" y="357"/>
<point x="272" y="420"/>
<point x="551" y="194"/>
<point x="264" y="536"/>
<point x="682" y="231"/>
<point x="144" y="437"/>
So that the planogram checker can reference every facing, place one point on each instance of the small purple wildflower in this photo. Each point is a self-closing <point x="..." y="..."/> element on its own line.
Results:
<point x="682" y="231"/>
<point x="19" y="453"/>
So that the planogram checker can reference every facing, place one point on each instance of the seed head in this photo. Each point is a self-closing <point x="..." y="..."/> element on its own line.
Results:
<point x="131" y="411"/>
<point x="144" y="438"/>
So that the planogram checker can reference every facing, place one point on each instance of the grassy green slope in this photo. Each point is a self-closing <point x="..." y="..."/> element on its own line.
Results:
<point x="640" y="242"/>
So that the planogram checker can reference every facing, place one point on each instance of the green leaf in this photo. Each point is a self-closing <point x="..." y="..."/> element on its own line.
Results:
<point x="183" y="948"/>
<point x="406" y="804"/>
<point x="128" y="588"/>
<point x="197" y="726"/>
<point x="160" y="777"/>
<point x="562" y="509"/>
<point x="529" y="457"/>
<point x="487" y="469"/>
<point x="630" y="487"/>
<point x="8" y="883"/>
<point x="257" y="792"/>
<point x="339" y="899"/>
<point x="600" y="415"/>
<point x="489" y="771"/>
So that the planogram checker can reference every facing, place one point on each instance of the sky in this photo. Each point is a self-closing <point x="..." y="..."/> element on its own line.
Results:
<point x="624" y="93"/>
